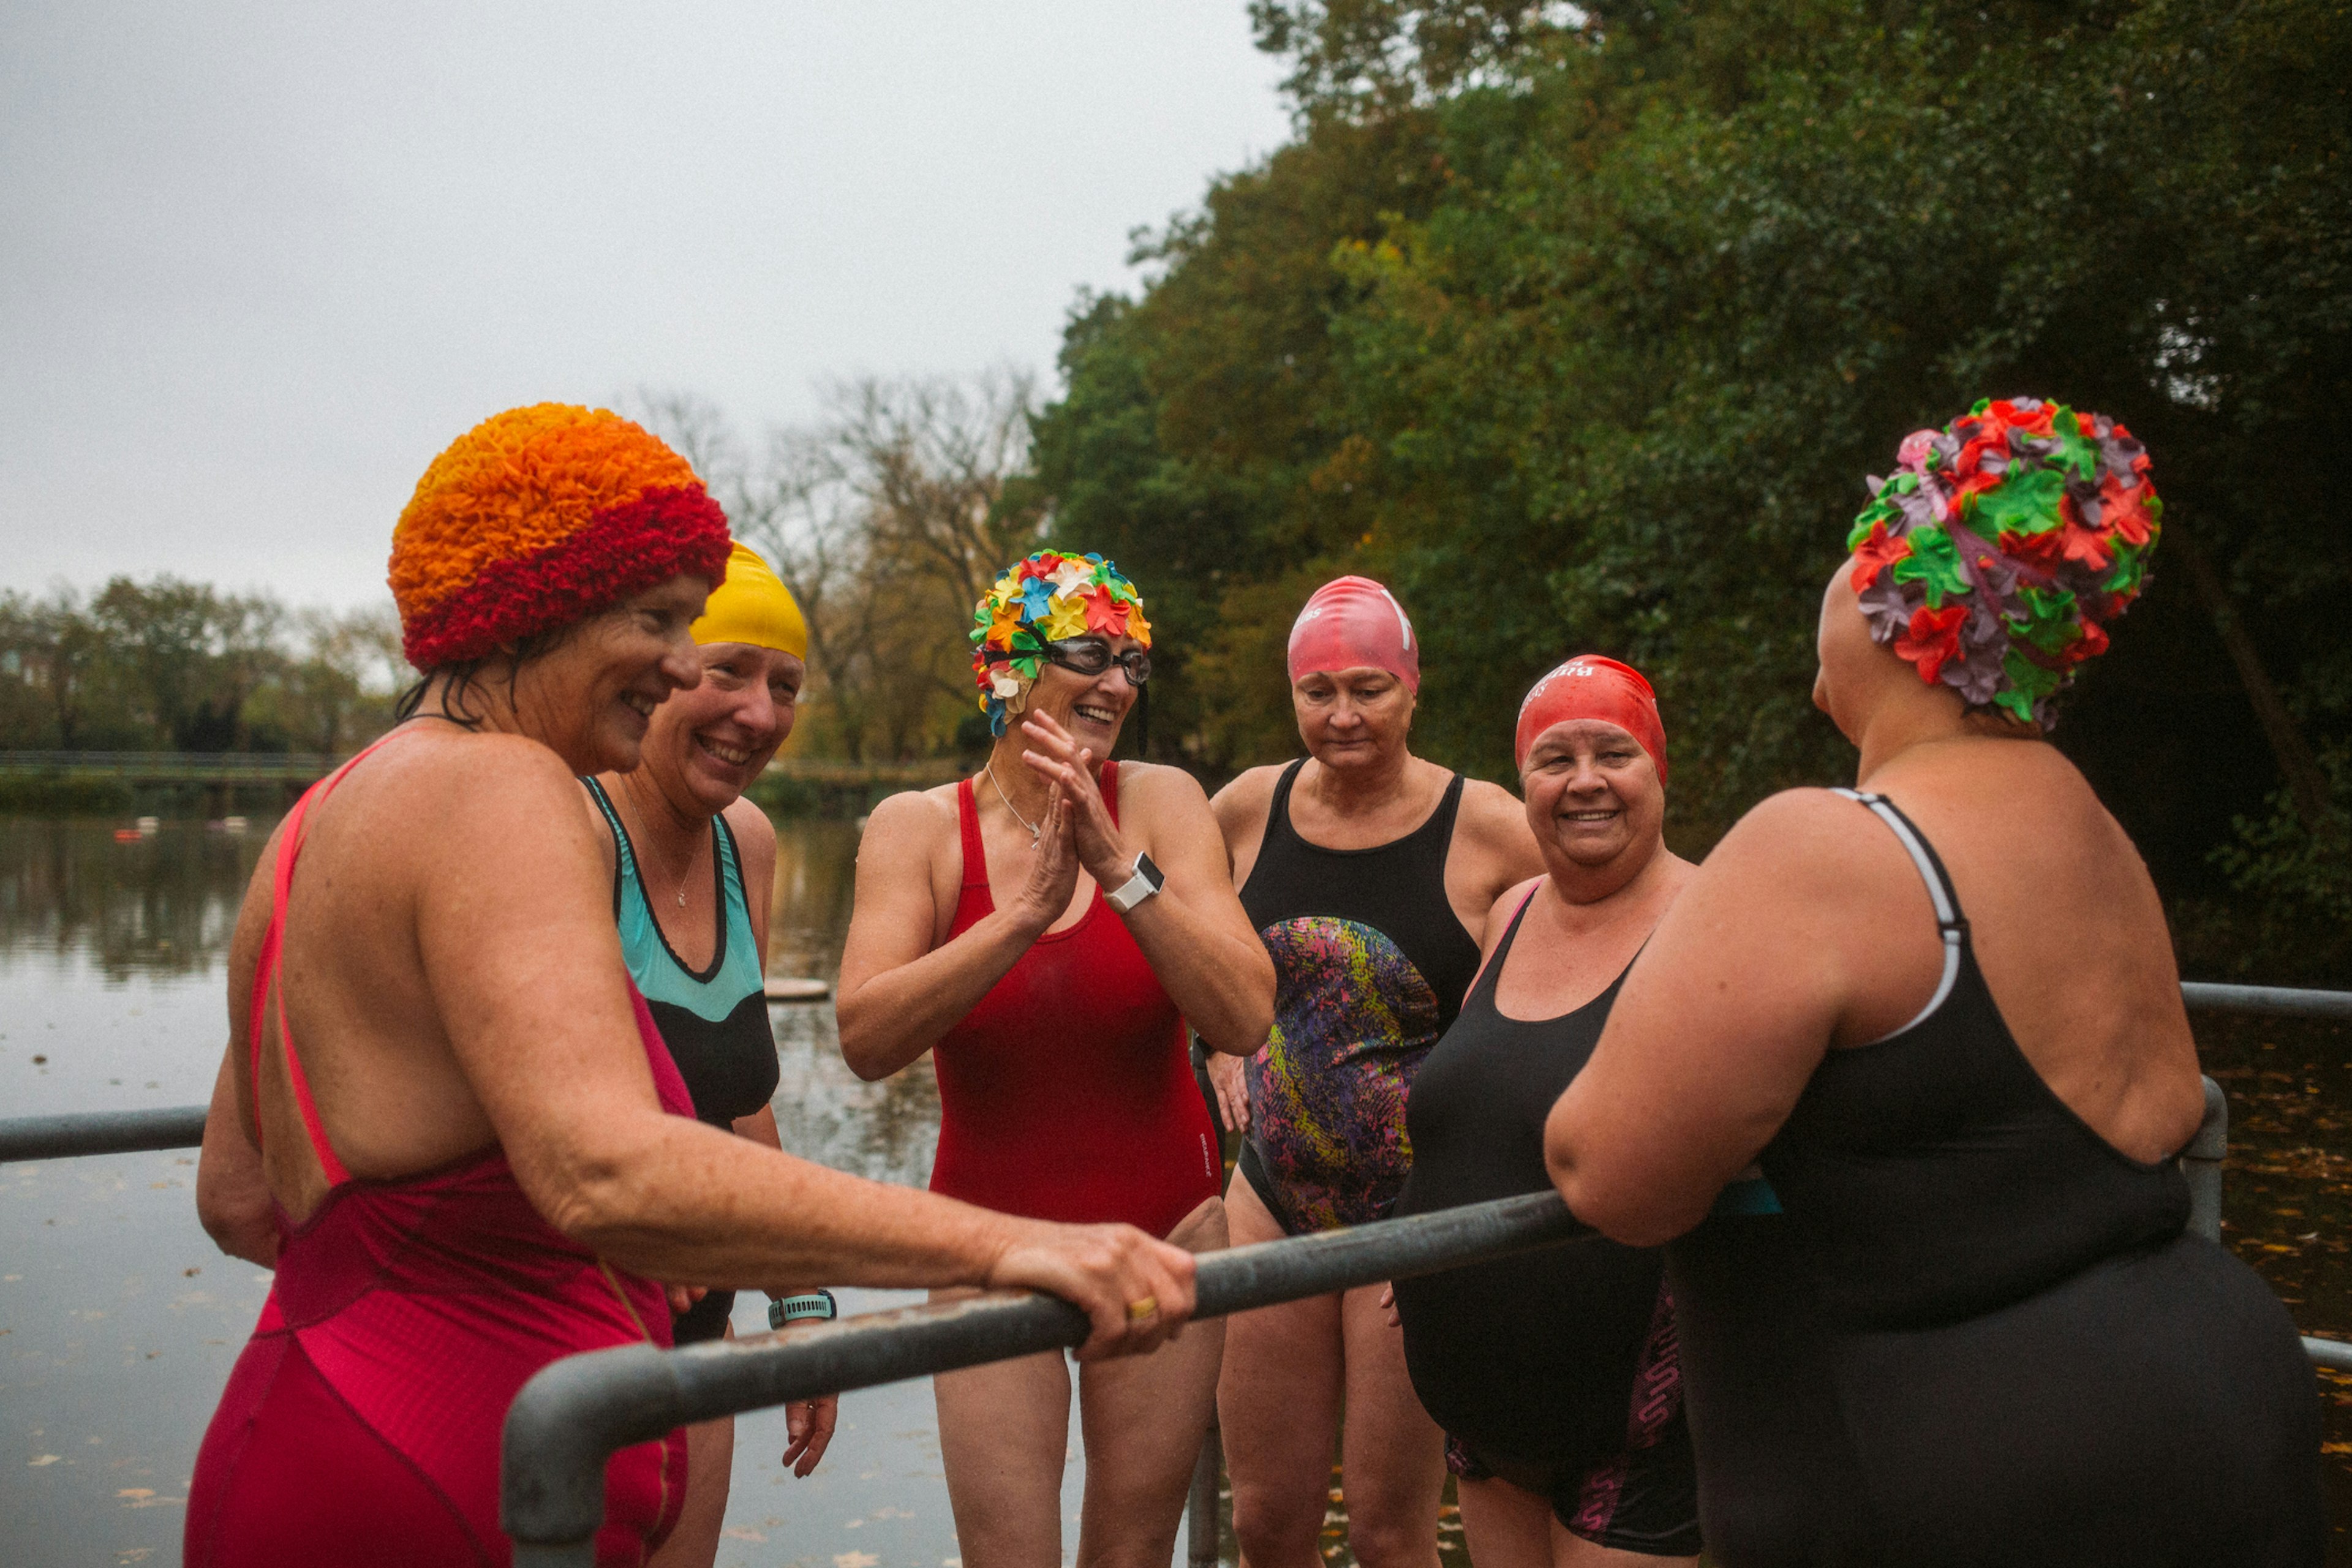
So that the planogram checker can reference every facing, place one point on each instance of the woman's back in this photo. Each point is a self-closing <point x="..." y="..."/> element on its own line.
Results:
<point x="409" y="1309"/>
<point x="2063" y="919"/>
<point x="1976" y="1331"/>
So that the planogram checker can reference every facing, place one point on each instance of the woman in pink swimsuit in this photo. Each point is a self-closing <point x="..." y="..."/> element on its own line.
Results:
<point x="445" y="1117"/>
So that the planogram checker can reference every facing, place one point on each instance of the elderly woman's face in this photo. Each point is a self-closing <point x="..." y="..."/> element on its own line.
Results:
<point x="1350" y="718"/>
<point x="593" y="696"/>
<point x="709" y="743"/>
<point x="1592" y="792"/>
<point x="1092" y="708"/>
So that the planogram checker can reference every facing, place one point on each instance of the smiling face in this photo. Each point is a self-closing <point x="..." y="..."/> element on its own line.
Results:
<point x="1352" y="718"/>
<point x="709" y="743"/>
<point x="1593" y="797"/>
<point x="592" y="697"/>
<point x="1090" y="707"/>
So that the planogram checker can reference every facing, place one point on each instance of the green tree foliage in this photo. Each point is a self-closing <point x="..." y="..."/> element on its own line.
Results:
<point x="1583" y="330"/>
<point x="169" y="665"/>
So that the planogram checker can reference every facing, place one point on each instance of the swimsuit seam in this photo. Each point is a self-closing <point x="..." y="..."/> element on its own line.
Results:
<point x="481" y="1553"/>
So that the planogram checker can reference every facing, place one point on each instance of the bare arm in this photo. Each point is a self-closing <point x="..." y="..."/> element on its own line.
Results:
<point x="1724" y="1017"/>
<point x="1494" y="849"/>
<point x="1194" y="931"/>
<point x="526" y="969"/>
<point x="233" y="1201"/>
<point x="899" y="993"/>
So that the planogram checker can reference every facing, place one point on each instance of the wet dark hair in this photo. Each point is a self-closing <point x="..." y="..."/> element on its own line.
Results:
<point x="463" y="674"/>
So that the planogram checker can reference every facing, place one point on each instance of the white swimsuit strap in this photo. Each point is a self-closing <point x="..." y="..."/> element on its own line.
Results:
<point x="1948" y="909"/>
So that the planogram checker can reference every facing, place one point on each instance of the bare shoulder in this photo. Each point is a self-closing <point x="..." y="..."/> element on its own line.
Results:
<point x="1158" y="785"/>
<point x="1491" y="814"/>
<point x="465" y="790"/>
<point x="1517" y="894"/>
<point x="751" y="827"/>
<point x="1248" y="798"/>
<point x="913" y="822"/>
<point x="1805" y="848"/>
<point x="1792" y="827"/>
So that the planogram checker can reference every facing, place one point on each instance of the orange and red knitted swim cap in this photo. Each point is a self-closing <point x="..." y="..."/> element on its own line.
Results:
<point x="538" y="517"/>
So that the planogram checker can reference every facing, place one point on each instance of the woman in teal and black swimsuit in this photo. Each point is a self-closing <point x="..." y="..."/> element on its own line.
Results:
<point x="692" y="864"/>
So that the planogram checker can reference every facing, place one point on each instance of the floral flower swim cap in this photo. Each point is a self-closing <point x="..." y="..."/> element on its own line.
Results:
<point x="1049" y="597"/>
<point x="2003" y="545"/>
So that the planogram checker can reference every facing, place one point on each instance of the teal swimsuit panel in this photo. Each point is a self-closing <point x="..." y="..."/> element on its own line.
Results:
<point x="710" y="995"/>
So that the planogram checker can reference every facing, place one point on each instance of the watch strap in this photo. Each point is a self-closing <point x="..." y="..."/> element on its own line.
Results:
<point x="810" y="1306"/>
<point x="1146" y="882"/>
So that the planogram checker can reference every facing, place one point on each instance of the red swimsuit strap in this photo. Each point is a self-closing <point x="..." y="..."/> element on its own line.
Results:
<point x="268" y="982"/>
<point x="975" y="854"/>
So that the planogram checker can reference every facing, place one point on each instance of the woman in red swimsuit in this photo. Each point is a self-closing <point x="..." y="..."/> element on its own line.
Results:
<point x="1047" y="926"/>
<point x="445" y="1117"/>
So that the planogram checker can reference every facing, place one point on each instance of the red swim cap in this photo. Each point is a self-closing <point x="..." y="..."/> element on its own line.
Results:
<point x="1593" y="687"/>
<point x="1353" y="622"/>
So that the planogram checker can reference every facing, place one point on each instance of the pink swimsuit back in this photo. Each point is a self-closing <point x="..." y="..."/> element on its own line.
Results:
<point x="361" y="1425"/>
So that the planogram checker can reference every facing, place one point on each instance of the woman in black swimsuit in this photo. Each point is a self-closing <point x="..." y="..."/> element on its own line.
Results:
<point x="1554" y="1372"/>
<point x="1944" y="1016"/>
<point x="1365" y="871"/>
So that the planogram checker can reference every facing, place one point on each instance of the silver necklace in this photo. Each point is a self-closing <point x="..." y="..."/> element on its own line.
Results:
<point x="1035" y="829"/>
<point x="687" y="876"/>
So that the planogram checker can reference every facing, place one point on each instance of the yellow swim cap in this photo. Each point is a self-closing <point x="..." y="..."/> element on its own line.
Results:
<point x="753" y="606"/>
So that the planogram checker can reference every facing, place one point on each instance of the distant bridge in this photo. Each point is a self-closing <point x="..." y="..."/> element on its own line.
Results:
<point x="308" y="767"/>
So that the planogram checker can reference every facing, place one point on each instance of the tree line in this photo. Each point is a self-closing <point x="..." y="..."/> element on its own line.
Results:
<point x="169" y="665"/>
<point x="1582" y="327"/>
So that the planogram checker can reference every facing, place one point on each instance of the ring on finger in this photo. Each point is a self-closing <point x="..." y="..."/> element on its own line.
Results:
<point x="1143" y="1309"/>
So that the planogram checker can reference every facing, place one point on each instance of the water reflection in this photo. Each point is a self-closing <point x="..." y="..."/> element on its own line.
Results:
<point x="163" y="904"/>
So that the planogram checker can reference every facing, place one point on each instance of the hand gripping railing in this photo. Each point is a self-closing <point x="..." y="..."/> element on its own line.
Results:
<point x="579" y="1411"/>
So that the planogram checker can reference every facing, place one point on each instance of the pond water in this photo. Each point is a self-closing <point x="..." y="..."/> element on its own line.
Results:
<point x="119" y="1319"/>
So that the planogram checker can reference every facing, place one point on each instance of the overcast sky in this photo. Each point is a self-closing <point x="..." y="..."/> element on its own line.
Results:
<point x="258" y="263"/>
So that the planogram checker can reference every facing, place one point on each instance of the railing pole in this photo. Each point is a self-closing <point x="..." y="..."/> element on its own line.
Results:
<point x="100" y="1133"/>
<point x="562" y="1426"/>
<point x="2200" y="1162"/>
<point x="1200" y="1526"/>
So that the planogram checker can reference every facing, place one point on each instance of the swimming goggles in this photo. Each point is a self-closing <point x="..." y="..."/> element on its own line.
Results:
<point x="1092" y="655"/>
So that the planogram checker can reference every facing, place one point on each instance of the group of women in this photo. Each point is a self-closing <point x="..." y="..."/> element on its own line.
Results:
<point x="1886" y="1261"/>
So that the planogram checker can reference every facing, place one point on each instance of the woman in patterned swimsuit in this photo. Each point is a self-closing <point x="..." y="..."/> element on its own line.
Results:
<point x="1365" y="871"/>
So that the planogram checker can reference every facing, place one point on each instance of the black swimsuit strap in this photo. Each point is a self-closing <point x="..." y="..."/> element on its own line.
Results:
<point x="1482" y="993"/>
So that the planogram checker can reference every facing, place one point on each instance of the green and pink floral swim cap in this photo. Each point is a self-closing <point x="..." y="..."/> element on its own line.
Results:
<point x="1997" y="552"/>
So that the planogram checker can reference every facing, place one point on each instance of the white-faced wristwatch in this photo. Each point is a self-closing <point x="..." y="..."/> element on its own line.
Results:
<point x="1146" y="882"/>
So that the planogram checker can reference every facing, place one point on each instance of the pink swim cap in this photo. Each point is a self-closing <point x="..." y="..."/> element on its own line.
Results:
<point x="1353" y="622"/>
<point x="1591" y="686"/>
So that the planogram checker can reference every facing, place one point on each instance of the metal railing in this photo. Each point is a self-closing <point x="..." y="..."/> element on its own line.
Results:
<point x="574" y="1414"/>
<point x="577" y="1411"/>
